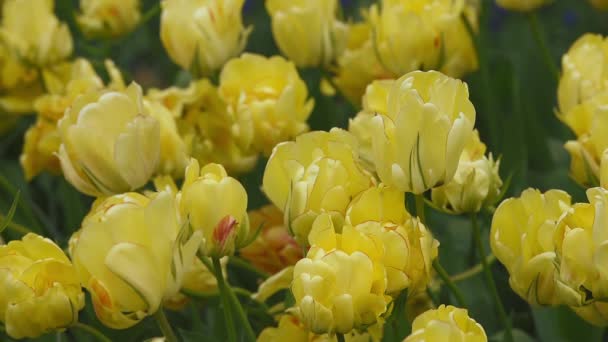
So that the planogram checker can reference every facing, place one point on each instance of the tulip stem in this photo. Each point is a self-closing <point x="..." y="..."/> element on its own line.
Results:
<point x="165" y="327"/>
<point x="490" y="279"/>
<point x="99" y="336"/>
<point x="490" y="258"/>
<point x="340" y="337"/>
<point x="225" y="297"/>
<point x="445" y="277"/>
<point x="420" y="208"/>
<point x="542" y="44"/>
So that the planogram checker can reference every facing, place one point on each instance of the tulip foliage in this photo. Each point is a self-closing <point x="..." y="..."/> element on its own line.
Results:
<point x="304" y="170"/>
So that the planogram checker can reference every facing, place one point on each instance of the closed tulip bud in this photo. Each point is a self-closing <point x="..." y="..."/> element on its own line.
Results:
<point x="581" y="241"/>
<point x="306" y="31"/>
<point x="599" y="4"/>
<point x="317" y="173"/>
<point x="476" y="183"/>
<point x="398" y="49"/>
<point x="582" y="88"/>
<point x="338" y="289"/>
<point x="108" y="18"/>
<point x="273" y="249"/>
<point x="202" y="35"/>
<point x="268" y="99"/>
<point x="521" y="237"/>
<point x="358" y="65"/>
<point x="31" y="29"/>
<point x="522" y="5"/>
<point x="110" y="144"/>
<point x="39" y="288"/>
<point x="216" y="205"/>
<point x="446" y="323"/>
<point x="173" y="158"/>
<point x="429" y="120"/>
<point x="131" y="254"/>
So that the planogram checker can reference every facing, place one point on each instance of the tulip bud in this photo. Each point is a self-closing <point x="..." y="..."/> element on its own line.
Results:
<point x="109" y="142"/>
<point x="446" y="323"/>
<point x="521" y="237"/>
<point x="475" y="184"/>
<point x="429" y="120"/>
<point x="216" y="205"/>
<point x="201" y="35"/>
<point x="307" y="32"/>
<point x="522" y="5"/>
<point x="108" y="18"/>
<point x="316" y="173"/>
<point x="273" y="249"/>
<point x="580" y="240"/>
<point x="131" y="254"/>
<point x="290" y="328"/>
<point x="268" y="99"/>
<point x="39" y="288"/>
<point x="30" y="28"/>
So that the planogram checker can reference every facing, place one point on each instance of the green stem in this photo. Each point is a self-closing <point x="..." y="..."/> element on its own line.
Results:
<point x="446" y="280"/>
<point x="490" y="280"/>
<point x="542" y="44"/>
<point x="240" y="313"/>
<point x="221" y="282"/>
<point x="16" y="227"/>
<point x="99" y="336"/>
<point x="473" y="270"/>
<point x="164" y="326"/>
<point x="420" y="208"/>
<point x="340" y="337"/>
<point x="242" y="264"/>
<point x="151" y="13"/>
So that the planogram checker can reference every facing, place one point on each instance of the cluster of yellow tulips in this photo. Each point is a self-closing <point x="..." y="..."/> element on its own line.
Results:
<point x="344" y="242"/>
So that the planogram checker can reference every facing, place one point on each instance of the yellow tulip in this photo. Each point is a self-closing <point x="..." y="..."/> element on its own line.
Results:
<point x="216" y="205"/>
<point x="19" y="83"/>
<point x="338" y="289"/>
<point x="30" y="28"/>
<point x="374" y="103"/>
<point x="476" y="183"/>
<point x="41" y="143"/>
<point x="358" y="65"/>
<point x="39" y="288"/>
<point x="316" y="173"/>
<point x="522" y="5"/>
<point x="581" y="241"/>
<point x="290" y="328"/>
<point x="459" y="54"/>
<point x="600" y="4"/>
<point x="595" y="313"/>
<point x="173" y="157"/>
<point x="108" y="18"/>
<point x="307" y="31"/>
<point x="273" y="249"/>
<point x="268" y="99"/>
<point x="408" y="34"/>
<point x="521" y="237"/>
<point x="202" y="35"/>
<point x="584" y="77"/>
<point x="109" y="143"/>
<point x="131" y="254"/>
<point x="446" y="323"/>
<point x="205" y="125"/>
<point x="429" y="120"/>
<point x="401" y="242"/>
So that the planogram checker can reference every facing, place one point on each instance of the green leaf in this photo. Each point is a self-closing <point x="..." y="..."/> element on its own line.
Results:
<point x="518" y="336"/>
<point x="560" y="324"/>
<point x="9" y="217"/>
